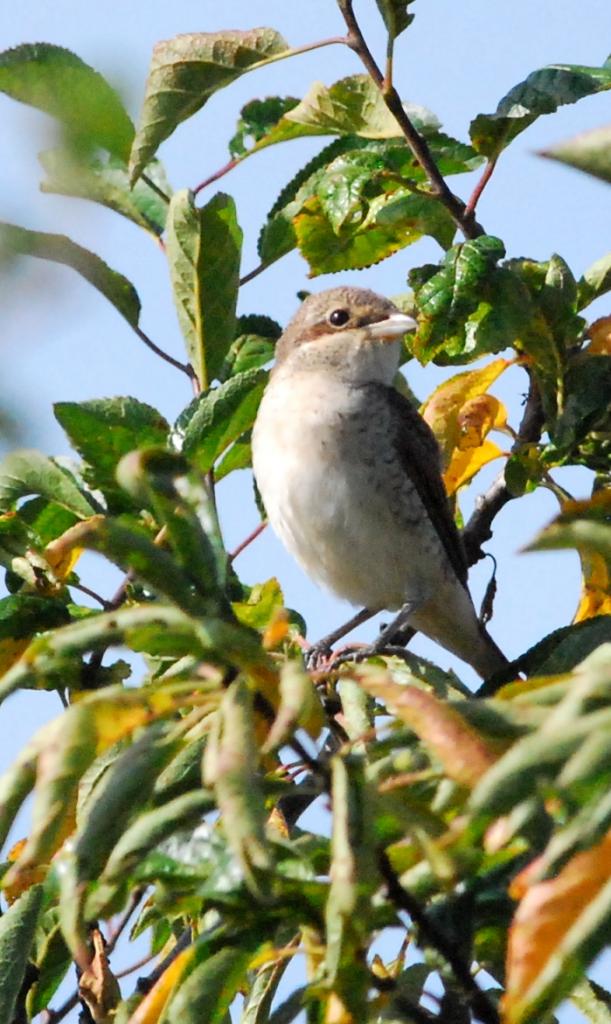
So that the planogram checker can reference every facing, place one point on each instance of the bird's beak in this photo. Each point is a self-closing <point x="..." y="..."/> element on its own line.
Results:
<point x="394" y="326"/>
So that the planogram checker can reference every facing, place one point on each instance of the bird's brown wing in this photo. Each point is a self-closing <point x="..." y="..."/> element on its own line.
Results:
<point x="419" y="454"/>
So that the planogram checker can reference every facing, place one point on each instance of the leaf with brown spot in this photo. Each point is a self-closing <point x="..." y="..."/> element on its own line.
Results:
<point x="560" y="925"/>
<point x="463" y="752"/>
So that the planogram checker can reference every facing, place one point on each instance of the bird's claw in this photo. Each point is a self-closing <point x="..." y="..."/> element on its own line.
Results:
<point x="321" y="657"/>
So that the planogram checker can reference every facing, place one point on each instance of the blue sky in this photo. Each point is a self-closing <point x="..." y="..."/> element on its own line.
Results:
<point x="59" y="340"/>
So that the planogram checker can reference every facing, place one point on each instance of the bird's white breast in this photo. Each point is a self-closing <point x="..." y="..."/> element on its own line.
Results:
<point x="336" y="496"/>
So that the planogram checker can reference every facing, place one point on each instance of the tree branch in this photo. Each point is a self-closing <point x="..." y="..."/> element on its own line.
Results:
<point x="431" y="934"/>
<point x="155" y="188"/>
<point x="253" y="273"/>
<point x="488" y="505"/>
<point x="185" y="368"/>
<point x="144" y="985"/>
<point x="418" y="145"/>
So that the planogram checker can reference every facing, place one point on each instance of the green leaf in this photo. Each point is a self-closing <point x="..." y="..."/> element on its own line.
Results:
<point x="257" y="119"/>
<point x="395" y="15"/>
<point x="152" y="827"/>
<point x="150" y="564"/>
<point x="219" y="417"/>
<point x="85" y="176"/>
<point x="587" y="386"/>
<point x="262" y="602"/>
<point x="353" y="878"/>
<point x="391" y="223"/>
<point x="17" y="927"/>
<point x="124" y="789"/>
<point x="185" y="72"/>
<point x="564" y="649"/>
<point x="352" y="106"/>
<point x="30" y="472"/>
<point x="159" y="479"/>
<point x="595" y="282"/>
<point x="52" y="962"/>
<point x="134" y="626"/>
<point x="239" y="456"/>
<point x="541" y="93"/>
<point x="589" y="152"/>
<point x="348" y="175"/>
<point x="46" y="519"/>
<point x="259" y="999"/>
<point x="447" y="297"/>
<point x="231" y="767"/>
<point x="104" y="430"/>
<point x="248" y="352"/>
<point x="58" y="82"/>
<point x="23" y="615"/>
<point x="210" y="988"/>
<point x="59" y="249"/>
<point x="203" y="247"/>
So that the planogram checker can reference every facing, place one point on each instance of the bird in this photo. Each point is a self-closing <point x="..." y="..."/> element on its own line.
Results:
<point x="350" y="475"/>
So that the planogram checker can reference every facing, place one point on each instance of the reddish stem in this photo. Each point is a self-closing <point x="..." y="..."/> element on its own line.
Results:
<point x="479" y="188"/>
<point x="217" y="174"/>
<point x="248" y="540"/>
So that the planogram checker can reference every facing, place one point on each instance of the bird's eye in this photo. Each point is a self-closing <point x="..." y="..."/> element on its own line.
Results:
<point x="339" y="317"/>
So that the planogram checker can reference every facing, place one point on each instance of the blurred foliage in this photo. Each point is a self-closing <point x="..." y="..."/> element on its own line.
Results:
<point x="476" y="824"/>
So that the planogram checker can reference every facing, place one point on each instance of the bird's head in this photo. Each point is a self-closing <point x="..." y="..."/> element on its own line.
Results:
<point x="350" y="332"/>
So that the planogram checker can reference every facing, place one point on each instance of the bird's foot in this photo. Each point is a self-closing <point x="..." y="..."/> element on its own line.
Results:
<point x="317" y="656"/>
<point x="322" y="658"/>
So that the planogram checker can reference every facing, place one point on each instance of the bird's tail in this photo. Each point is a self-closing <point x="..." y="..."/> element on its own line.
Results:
<point x="488" y="659"/>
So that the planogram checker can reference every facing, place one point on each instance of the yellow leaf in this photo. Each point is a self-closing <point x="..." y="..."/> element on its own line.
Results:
<point x="27" y="879"/>
<point x="63" y="553"/>
<point x="10" y="652"/>
<point x="277" y="630"/>
<point x="152" y="1006"/>
<point x="600" y="335"/>
<point x="463" y="752"/>
<point x="465" y="464"/>
<point x="336" y="1011"/>
<point x="277" y="823"/>
<point x="443" y="408"/>
<point x="477" y="418"/>
<point x="596" y="592"/>
<point x="541" y="937"/>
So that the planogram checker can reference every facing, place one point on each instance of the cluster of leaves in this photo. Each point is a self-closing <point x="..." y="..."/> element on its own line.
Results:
<point x="477" y="825"/>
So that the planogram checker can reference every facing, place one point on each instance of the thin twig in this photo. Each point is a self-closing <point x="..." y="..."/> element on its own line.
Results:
<point x="258" y="530"/>
<point x="54" y="1016"/>
<point x="95" y="662"/>
<point x="296" y="51"/>
<point x="388" y="71"/>
<point x="479" y="188"/>
<point x="144" y="985"/>
<point x="158" y="191"/>
<point x="253" y="273"/>
<point x="91" y="593"/>
<point x="488" y="505"/>
<point x="418" y="145"/>
<point x="119" y="927"/>
<point x="135" y="967"/>
<point x="229" y="166"/>
<point x="431" y="934"/>
<point x="185" y="368"/>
